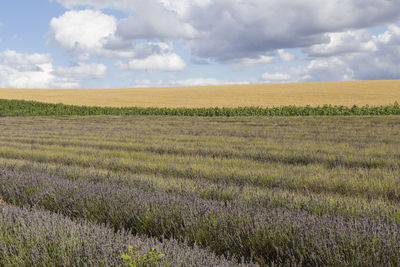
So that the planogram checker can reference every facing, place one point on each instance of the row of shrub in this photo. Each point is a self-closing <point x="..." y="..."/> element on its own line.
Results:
<point x="34" y="108"/>
<point x="34" y="237"/>
<point x="243" y="230"/>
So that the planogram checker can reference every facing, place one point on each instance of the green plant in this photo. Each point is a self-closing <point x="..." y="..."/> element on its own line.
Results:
<point x="134" y="259"/>
<point x="34" y="108"/>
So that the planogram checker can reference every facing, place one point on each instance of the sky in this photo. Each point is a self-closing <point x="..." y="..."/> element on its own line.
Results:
<point x="154" y="43"/>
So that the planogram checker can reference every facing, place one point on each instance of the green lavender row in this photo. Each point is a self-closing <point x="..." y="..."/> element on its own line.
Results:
<point x="33" y="108"/>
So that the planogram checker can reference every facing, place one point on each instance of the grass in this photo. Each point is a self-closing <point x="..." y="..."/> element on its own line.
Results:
<point x="267" y="190"/>
<point x="360" y="93"/>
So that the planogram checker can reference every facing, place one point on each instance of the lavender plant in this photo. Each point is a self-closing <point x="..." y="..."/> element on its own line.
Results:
<point x="31" y="237"/>
<point x="276" y="191"/>
<point x="237" y="229"/>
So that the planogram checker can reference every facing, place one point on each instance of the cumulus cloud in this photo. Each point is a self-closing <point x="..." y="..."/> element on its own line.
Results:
<point x="82" y="33"/>
<point x="236" y="29"/>
<point x="232" y="30"/>
<point x="23" y="62"/>
<point x="382" y="63"/>
<point x="247" y="62"/>
<point x="285" y="56"/>
<point x="154" y="56"/>
<point x="275" y="77"/>
<point x="147" y="49"/>
<point x="391" y="36"/>
<point x="352" y="55"/>
<point x="344" y="43"/>
<point x="37" y="71"/>
<point x="81" y="71"/>
<point x="147" y="19"/>
<point x="325" y="69"/>
<point x="333" y="35"/>
<point x="87" y="33"/>
<point x="151" y="20"/>
<point x="146" y="83"/>
<point x="361" y="56"/>
<point x="187" y="82"/>
<point x="160" y="62"/>
<point x="204" y="81"/>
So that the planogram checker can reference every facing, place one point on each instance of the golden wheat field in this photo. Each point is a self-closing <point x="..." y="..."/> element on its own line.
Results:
<point x="265" y="95"/>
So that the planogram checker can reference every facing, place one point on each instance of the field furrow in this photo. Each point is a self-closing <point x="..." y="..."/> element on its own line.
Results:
<point x="283" y="191"/>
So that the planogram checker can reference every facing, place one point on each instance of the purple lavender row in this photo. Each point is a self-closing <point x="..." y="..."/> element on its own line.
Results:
<point x="30" y="237"/>
<point x="314" y="203"/>
<point x="239" y="229"/>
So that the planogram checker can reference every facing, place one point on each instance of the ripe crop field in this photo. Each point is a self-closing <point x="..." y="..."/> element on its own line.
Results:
<point x="360" y="93"/>
<point x="201" y="191"/>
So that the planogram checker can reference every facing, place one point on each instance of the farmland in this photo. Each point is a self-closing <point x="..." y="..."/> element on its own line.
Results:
<point x="360" y="93"/>
<point x="201" y="191"/>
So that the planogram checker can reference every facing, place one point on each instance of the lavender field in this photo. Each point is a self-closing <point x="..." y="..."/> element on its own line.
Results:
<point x="243" y="191"/>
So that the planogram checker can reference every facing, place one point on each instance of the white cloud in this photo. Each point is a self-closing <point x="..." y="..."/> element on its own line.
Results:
<point x="333" y="34"/>
<point x="87" y="33"/>
<point x="344" y="43"/>
<point x="146" y="83"/>
<point x="358" y="55"/>
<point x="1" y="24"/>
<point x="22" y="70"/>
<point x="285" y="56"/>
<point x="186" y="82"/>
<point x="390" y="37"/>
<point x="183" y="7"/>
<point x="153" y="21"/>
<point x="247" y="62"/>
<point x="165" y="62"/>
<point x="231" y="30"/>
<point x="383" y="63"/>
<point x="82" y="71"/>
<point x="237" y="29"/>
<point x="149" y="19"/>
<point x="82" y="33"/>
<point x="153" y="56"/>
<point x="23" y="62"/>
<point x="12" y="78"/>
<point x="202" y="82"/>
<point x="275" y="77"/>
<point x="37" y="71"/>
<point x="326" y="69"/>
<point x="351" y="55"/>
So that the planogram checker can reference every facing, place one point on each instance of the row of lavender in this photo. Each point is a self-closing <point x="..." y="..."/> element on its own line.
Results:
<point x="31" y="237"/>
<point x="232" y="228"/>
<point x="294" y="191"/>
<point x="301" y="199"/>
